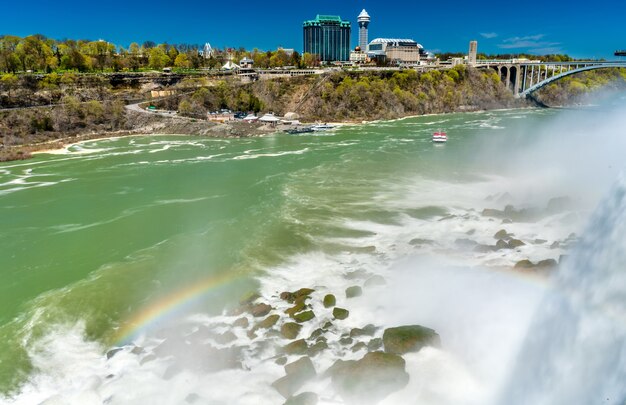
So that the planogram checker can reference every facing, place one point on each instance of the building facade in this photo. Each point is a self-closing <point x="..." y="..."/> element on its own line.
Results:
<point x="328" y="37"/>
<point x="364" y="22"/>
<point x="471" y="56"/>
<point x="396" y="51"/>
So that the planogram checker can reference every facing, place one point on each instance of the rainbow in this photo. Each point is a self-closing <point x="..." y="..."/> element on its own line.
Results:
<point x="169" y="306"/>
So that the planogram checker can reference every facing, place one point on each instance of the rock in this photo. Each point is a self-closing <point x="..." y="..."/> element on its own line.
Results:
<point x="484" y="248"/>
<point x="329" y="301"/>
<point x="346" y="341"/>
<point x="241" y="322"/>
<point x="500" y="244"/>
<point x="419" y="241"/>
<point x="359" y="346"/>
<point x="465" y="243"/>
<point x="539" y="241"/>
<point x="249" y="298"/>
<point x="506" y="221"/>
<point x="340" y="313"/>
<point x="306" y="398"/>
<point x="298" y="373"/>
<point x="559" y="204"/>
<point x="375" y="344"/>
<point x="370" y="379"/>
<point x="287" y="296"/>
<point x="357" y="275"/>
<point x="410" y="338"/>
<point x="367" y="330"/>
<point x="137" y="350"/>
<point x="290" y="330"/>
<point x="327" y="325"/>
<point x="303" y="292"/>
<point x="281" y="361"/>
<point x="268" y="322"/>
<point x="225" y="338"/>
<point x="296" y="347"/>
<point x="304" y="316"/>
<point x="555" y="245"/>
<point x="354" y="291"/>
<point x="547" y="263"/>
<point x="470" y="232"/>
<point x="501" y="234"/>
<point x="300" y="305"/>
<point x="489" y="212"/>
<point x="317" y="333"/>
<point x="113" y="352"/>
<point x="260" y="310"/>
<point x="524" y="264"/>
<point x="515" y="243"/>
<point x="316" y="348"/>
<point x="374" y="281"/>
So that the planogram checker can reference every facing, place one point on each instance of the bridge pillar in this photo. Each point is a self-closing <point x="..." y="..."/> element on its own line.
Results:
<point x="517" y="79"/>
<point x="508" y="77"/>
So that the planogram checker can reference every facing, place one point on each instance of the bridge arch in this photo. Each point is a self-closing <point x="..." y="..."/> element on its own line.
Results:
<point x="547" y="80"/>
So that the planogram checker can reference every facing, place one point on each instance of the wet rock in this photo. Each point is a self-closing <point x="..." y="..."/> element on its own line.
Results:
<point x="260" y="310"/>
<point x="370" y="379"/>
<point x="375" y="344"/>
<point x="304" y="316"/>
<point x="290" y="330"/>
<point x="357" y="275"/>
<point x="465" y="243"/>
<point x="137" y="350"/>
<point x="409" y="338"/>
<point x="354" y="291"/>
<point x="281" y="361"/>
<point x="539" y="241"/>
<point x="315" y="349"/>
<point x="241" y="322"/>
<point x="501" y="234"/>
<point x="367" y="330"/>
<point x="500" y="244"/>
<point x="329" y="301"/>
<point x="287" y="296"/>
<point x="470" y="232"/>
<point x="375" y="280"/>
<point x="346" y="341"/>
<point x="296" y="347"/>
<point x="559" y="204"/>
<point x="113" y="352"/>
<point x="317" y="333"/>
<point x="524" y="264"/>
<point x="249" y="298"/>
<point x="298" y="373"/>
<point x="225" y="338"/>
<point x="489" y="212"/>
<point x="506" y="221"/>
<point x="327" y="325"/>
<point x="555" y="245"/>
<point x="359" y="346"/>
<point x="306" y="398"/>
<point x="340" y="313"/>
<point x="546" y="264"/>
<point x="303" y="292"/>
<point x="484" y="248"/>
<point x="515" y="243"/>
<point x="268" y="322"/>
<point x="419" y="241"/>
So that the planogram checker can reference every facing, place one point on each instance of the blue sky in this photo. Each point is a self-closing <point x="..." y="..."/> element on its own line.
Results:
<point x="583" y="30"/>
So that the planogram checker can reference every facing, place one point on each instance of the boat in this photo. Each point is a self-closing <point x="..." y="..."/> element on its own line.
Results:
<point x="440" y="137"/>
<point x="300" y="130"/>
<point x="322" y="127"/>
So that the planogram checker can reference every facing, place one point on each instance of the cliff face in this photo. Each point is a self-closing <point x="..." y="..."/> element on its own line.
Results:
<point x="581" y="88"/>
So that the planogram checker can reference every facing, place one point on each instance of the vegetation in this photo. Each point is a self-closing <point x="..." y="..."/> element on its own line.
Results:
<point x="581" y="87"/>
<point x="36" y="53"/>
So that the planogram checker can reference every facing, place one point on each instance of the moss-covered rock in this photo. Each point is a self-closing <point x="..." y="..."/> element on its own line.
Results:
<point x="305" y="398"/>
<point x="329" y="301"/>
<point x="340" y="313"/>
<point x="367" y="330"/>
<point x="296" y="347"/>
<point x="315" y="349"/>
<point x="409" y="338"/>
<point x="298" y="307"/>
<point x="370" y="379"/>
<point x="359" y="346"/>
<point x="515" y="243"/>
<point x="268" y="322"/>
<point x="317" y="333"/>
<point x="290" y="330"/>
<point x="304" y="316"/>
<point x="354" y="291"/>
<point x="346" y="340"/>
<point x="281" y="361"/>
<point x="375" y="344"/>
<point x="241" y="322"/>
<point x="524" y="264"/>
<point x="500" y="244"/>
<point x="546" y="264"/>
<point x="501" y="234"/>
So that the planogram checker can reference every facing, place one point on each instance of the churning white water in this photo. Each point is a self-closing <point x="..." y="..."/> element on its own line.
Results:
<point x="575" y="350"/>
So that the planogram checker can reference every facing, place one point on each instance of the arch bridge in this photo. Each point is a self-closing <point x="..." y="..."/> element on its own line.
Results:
<point x="526" y="77"/>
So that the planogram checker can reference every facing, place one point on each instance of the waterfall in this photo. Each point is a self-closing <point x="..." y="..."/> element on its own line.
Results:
<point x="575" y="350"/>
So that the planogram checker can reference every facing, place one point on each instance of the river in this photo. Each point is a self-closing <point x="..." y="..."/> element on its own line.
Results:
<point x="115" y="242"/>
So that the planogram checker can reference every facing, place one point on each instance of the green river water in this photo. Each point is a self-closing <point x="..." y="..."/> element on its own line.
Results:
<point x="96" y="233"/>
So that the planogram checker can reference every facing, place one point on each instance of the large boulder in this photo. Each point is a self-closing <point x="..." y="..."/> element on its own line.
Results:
<point x="340" y="313"/>
<point x="329" y="301"/>
<point x="290" y="330"/>
<point x="410" y="338"/>
<point x="353" y="291"/>
<point x="260" y="310"/>
<point x="304" y="316"/>
<point x="298" y="373"/>
<point x="370" y="379"/>
<point x="306" y="398"/>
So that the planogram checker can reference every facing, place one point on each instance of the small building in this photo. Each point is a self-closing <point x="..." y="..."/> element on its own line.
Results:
<point x="230" y="66"/>
<point x="396" y="51"/>
<point x="246" y="63"/>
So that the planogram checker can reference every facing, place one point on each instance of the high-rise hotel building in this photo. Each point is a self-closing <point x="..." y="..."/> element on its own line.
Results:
<point x="328" y="37"/>
<point x="364" y="21"/>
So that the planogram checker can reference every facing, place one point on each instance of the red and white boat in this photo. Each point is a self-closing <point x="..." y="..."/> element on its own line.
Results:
<point x="440" y="137"/>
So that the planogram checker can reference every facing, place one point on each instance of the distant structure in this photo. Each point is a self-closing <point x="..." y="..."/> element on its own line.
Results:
<point x="328" y="37"/>
<point x="207" y="51"/>
<point x="621" y="52"/>
<point x="358" y="56"/>
<point x="471" y="56"/>
<point x="246" y="63"/>
<point x="396" y="51"/>
<point x="364" y="22"/>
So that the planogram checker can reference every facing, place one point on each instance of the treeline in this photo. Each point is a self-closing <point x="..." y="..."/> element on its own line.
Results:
<point x="36" y="53"/>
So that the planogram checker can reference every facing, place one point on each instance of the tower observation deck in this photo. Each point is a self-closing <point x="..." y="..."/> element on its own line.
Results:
<point x="364" y="21"/>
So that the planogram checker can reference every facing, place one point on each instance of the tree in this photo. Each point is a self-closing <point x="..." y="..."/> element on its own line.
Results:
<point x="182" y="61"/>
<point x="8" y="59"/>
<point x="8" y="82"/>
<point x="158" y="58"/>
